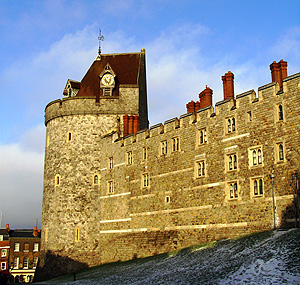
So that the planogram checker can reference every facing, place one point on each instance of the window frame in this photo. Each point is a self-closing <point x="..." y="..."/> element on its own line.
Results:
<point x="16" y="262"/>
<point x="17" y="247"/>
<point x="200" y="168"/>
<point x="25" y="262"/>
<point x="164" y="147"/>
<point x="175" y="144"/>
<point x="111" y="162"/>
<point x="110" y="187"/>
<point x="145" y="180"/>
<point x="233" y="190"/>
<point x="255" y="156"/>
<point x="129" y="158"/>
<point x="230" y="125"/>
<point x="280" y="152"/>
<point x="57" y="180"/>
<point x="3" y="265"/>
<point x="202" y="136"/>
<point x="231" y="160"/>
<point x="3" y="252"/>
<point x="36" y="246"/>
<point x="77" y="234"/>
<point x="257" y="188"/>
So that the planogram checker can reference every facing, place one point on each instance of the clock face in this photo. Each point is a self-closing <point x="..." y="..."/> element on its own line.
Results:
<point x="107" y="79"/>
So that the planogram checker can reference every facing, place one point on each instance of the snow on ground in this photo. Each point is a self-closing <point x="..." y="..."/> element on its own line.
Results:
<point x="264" y="258"/>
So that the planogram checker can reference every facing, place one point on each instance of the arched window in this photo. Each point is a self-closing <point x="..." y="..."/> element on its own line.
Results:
<point x="261" y="190"/>
<point x="235" y="190"/>
<point x="280" y="112"/>
<point x="233" y="124"/>
<point x="230" y="162"/>
<point x="280" y="152"/>
<point x="259" y="156"/>
<point x="96" y="179"/>
<point x="229" y="126"/>
<point x="231" y="190"/>
<point x="201" y="137"/>
<point x="235" y="161"/>
<point x="254" y="157"/>
<point x="255" y="187"/>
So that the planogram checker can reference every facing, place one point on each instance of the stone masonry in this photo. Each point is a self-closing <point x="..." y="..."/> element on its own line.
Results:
<point x="201" y="177"/>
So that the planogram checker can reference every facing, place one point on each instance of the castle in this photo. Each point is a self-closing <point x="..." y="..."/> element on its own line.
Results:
<point x="115" y="189"/>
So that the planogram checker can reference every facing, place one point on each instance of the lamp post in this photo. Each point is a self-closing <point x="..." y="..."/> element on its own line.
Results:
<point x="272" y="176"/>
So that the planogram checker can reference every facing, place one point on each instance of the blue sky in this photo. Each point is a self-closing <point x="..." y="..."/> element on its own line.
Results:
<point x="189" y="44"/>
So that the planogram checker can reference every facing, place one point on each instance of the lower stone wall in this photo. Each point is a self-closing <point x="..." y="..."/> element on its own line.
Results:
<point x="123" y="247"/>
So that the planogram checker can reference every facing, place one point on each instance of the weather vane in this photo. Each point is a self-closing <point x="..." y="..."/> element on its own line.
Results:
<point x="100" y="38"/>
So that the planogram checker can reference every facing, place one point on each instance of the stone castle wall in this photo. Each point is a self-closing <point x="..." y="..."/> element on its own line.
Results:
<point x="176" y="207"/>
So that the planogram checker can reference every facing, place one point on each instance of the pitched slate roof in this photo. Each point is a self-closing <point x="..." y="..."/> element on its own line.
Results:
<point x="125" y="66"/>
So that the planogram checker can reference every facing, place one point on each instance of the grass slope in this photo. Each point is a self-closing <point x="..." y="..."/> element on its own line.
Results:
<point x="264" y="258"/>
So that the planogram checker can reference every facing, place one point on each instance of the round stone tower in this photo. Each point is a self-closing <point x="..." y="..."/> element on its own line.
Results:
<point x="114" y="85"/>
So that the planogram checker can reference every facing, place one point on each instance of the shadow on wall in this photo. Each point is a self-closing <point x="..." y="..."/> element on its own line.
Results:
<point x="53" y="265"/>
<point x="290" y="216"/>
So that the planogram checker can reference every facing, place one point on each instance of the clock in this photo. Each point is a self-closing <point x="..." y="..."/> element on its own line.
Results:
<point x="107" y="79"/>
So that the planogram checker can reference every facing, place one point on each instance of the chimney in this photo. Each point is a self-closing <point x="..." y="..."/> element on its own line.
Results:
<point x="130" y="124"/>
<point x="197" y="106"/>
<point x="136" y="124"/>
<point x="7" y="227"/>
<point x="190" y="107"/>
<point x="278" y="71"/>
<point x="206" y="97"/>
<point x="125" y="125"/>
<point x="35" y="232"/>
<point x="228" y="85"/>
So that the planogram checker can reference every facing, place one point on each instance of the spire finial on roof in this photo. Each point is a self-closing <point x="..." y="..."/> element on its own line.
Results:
<point x="100" y="38"/>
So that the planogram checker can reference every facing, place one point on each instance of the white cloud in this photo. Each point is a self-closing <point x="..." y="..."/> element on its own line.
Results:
<point x="21" y="180"/>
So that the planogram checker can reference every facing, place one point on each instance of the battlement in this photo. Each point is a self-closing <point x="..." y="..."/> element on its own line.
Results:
<point x="238" y="106"/>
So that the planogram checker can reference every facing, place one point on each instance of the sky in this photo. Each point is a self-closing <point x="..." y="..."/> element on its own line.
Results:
<point x="189" y="44"/>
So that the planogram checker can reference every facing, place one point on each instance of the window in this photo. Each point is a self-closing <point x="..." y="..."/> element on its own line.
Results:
<point x="164" y="147"/>
<point x="257" y="187"/>
<point x="202" y="136"/>
<point x="255" y="156"/>
<point x="146" y="180"/>
<point x="129" y="157"/>
<point x="145" y="153"/>
<point x="3" y="252"/>
<point x="279" y="155"/>
<point x="17" y="246"/>
<point x="280" y="113"/>
<point x="35" y="262"/>
<point x="231" y="162"/>
<point x="77" y="232"/>
<point x="230" y="125"/>
<point x="69" y="136"/>
<point x="111" y="163"/>
<point x="200" y="168"/>
<point x="175" y="144"/>
<point x="96" y="179"/>
<point x="168" y="199"/>
<point x="249" y="116"/>
<point x="26" y="247"/>
<point x="35" y="246"/>
<point x="3" y="265"/>
<point x="110" y="187"/>
<point x="16" y="262"/>
<point x="57" y="180"/>
<point x="25" y="262"/>
<point x="233" y="190"/>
